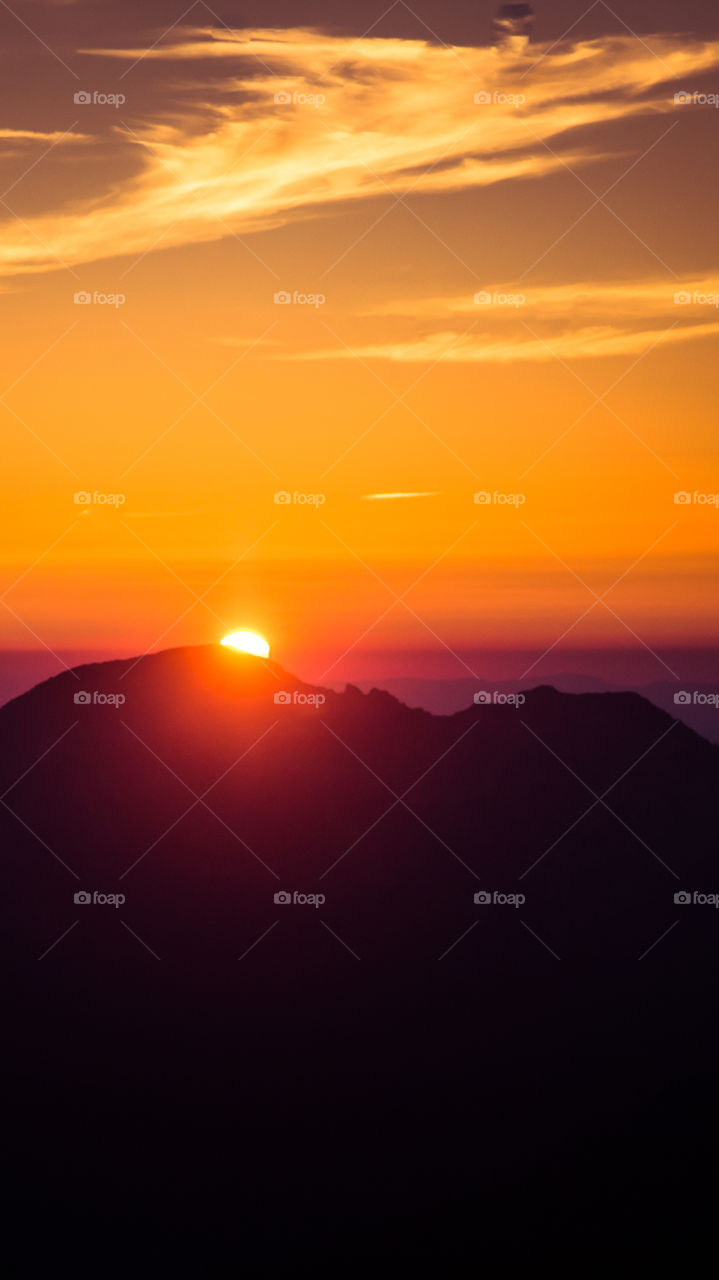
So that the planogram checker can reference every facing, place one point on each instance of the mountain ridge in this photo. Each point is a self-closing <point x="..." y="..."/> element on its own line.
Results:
<point x="503" y="1048"/>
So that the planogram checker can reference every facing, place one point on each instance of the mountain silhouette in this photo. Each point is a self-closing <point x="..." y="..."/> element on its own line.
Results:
<point x="265" y="931"/>
<point x="697" y="706"/>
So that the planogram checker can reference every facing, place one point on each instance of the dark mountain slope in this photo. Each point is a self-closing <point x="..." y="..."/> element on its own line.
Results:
<point x="397" y="1069"/>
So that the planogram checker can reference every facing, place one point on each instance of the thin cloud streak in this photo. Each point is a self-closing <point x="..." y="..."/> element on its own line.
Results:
<point x="654" y="298"/>
<point x="392" y="497"/>
<point x="486" y="349"/>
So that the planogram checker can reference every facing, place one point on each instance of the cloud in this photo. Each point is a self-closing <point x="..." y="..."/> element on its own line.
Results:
<point x="471" y="348"/>
<point x="568" y="321"/>
<point x="649" y="298"/>
<point x="393" y="497"/>
<point x="217" y="154"/>
<point x="33" y="135"/>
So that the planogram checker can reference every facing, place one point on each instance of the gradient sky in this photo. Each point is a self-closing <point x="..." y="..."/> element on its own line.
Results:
<point x="517" y="295"/>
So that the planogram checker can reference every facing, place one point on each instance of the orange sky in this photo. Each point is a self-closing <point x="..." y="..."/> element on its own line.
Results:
<point x="475" y="296"/>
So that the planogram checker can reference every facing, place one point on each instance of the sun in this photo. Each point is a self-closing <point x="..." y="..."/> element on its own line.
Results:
<point x="247" y="642"/>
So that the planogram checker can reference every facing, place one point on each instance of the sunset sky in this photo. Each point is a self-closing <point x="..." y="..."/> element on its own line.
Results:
<point x="503" y="280"/>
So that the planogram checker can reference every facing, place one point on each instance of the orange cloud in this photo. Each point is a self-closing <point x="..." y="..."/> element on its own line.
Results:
<point x="576" y="321"/>
<point x="301" y="121"/>
<point x="484" y="349"/>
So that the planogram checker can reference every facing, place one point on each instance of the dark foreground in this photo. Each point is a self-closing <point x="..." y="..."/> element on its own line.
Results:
<point x="202" y="1078"/>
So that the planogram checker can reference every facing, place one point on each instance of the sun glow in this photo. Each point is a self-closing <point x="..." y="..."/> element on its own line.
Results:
<point x="247" y="642"/>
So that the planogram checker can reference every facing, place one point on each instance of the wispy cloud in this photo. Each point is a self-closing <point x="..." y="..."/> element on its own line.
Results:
<point x="286" y="124"/>
<point x="517" y="323"/>
<point x="648" y="298"/>
<point x="473" y="348"/>
<point x="393" y="497"/>
<point x="34" y="135"/>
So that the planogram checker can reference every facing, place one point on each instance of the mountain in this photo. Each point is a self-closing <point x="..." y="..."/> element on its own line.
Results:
<point x="20" y="669"/>
<point x="445" y="697"/>
<point x="697" y="705"/>
<point x="380" y="1063"/>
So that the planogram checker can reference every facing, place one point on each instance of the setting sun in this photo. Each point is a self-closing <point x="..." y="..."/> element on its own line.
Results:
<point x="247" y="642"/>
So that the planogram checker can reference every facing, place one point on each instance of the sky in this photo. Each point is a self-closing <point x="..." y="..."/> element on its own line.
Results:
<point x="364" y="332"/>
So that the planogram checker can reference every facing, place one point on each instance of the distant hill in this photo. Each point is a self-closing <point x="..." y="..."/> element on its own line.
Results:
<point x="445" y="697"/>
<point x="461" y="1062"/>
